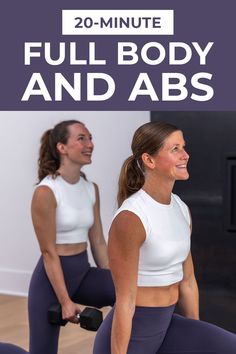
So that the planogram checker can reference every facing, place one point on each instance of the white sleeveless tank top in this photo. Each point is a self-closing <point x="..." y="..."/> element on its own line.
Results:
<point x="74" y="211"/>
<point x="167" y="242"/>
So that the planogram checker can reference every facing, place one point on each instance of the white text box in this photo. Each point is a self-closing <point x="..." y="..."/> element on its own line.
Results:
<point x="117" y="22"/>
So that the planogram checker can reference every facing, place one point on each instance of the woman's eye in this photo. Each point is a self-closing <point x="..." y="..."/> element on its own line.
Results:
<point x="175" y="149"/>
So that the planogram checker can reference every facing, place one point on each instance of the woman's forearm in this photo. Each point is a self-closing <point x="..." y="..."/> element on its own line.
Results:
<point x="121" y="329"/>
<point x="55" y="275"/>
<point x="100" y="255"/>
<point x="189" y="299"/>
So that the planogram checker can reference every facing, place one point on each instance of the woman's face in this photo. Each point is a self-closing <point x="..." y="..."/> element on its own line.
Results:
<point x="172" y="159"/>
<point x="79" y="146"/>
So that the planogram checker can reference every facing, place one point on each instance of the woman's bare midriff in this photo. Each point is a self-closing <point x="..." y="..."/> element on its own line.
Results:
<point x="158" y="296"/>
<point x="71" y="249"/>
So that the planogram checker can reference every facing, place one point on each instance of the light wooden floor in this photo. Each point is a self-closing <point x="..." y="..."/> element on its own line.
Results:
<point x="14" y="328"/>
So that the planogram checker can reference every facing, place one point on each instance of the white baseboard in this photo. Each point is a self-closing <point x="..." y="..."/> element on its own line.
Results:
<point x="14" y="281"/>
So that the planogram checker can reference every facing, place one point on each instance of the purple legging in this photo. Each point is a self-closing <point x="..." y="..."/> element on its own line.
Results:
<point x="7" y="348"/>
<point x="91" y="286"/>
<point x="159" y="330"/>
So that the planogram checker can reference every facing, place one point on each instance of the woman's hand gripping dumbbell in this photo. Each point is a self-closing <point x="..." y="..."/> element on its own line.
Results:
<point x="90" y="318"/>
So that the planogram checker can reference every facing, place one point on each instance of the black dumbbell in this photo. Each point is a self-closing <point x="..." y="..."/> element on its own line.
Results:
<point x="89" y="318"/>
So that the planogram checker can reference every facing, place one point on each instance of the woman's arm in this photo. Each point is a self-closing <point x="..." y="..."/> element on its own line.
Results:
<point x="189" y="296"/>
<point x="125" y="239"/>
<point x="96" y="237"/>
<point x="43" y="211"/>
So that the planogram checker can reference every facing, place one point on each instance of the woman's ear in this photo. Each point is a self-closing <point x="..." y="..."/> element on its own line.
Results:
<point x="148" y="161"/>
<point x="61" y="148"/>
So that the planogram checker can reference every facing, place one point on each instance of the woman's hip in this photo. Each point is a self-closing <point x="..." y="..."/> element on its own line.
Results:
<point x="149" y="326"/>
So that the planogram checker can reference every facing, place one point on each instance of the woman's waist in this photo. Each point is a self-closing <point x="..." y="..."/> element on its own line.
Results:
<point x="71" y="249"/>
<point x="157" y="296"/>
<point x="73" y="262"/>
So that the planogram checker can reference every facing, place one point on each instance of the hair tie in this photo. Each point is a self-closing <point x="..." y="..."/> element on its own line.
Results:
<point x="139" y="166"/>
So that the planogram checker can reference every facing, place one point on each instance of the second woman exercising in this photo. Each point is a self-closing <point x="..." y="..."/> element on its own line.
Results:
<point x="66" y="216"/>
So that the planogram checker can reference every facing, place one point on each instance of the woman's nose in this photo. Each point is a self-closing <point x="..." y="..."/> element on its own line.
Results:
<point x="185" y="155"/>
<point x="90" y="143"/>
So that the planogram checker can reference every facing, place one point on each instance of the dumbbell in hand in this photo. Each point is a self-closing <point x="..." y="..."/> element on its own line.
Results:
<point x="89" y="318"/>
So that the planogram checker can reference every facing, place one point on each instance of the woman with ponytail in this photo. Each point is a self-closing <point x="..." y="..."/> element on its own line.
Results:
<point x="66" y="216"/>
<point x="150" y="258"/>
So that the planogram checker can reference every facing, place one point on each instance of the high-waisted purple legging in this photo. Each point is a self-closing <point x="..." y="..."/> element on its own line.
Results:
<point x="159" y="330"/>
<point x="91" y="287"/>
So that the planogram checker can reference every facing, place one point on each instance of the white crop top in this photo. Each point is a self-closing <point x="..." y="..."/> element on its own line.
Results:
<point x="74" y="211"/>
<point x="167" y="242"/>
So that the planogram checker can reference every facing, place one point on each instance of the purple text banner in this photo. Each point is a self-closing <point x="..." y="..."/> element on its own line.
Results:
<point x="90" y="55"/>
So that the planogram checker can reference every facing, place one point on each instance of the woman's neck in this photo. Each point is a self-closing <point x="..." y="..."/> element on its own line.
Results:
<point x="159" y="189"/>
<point x="70" y="174"/>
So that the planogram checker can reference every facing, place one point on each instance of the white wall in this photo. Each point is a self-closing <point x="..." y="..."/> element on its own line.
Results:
<point x="19" y="137"/>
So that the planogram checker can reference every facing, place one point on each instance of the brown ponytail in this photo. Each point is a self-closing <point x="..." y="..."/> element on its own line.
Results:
<point x="131" y="179"/>
<point x="148" y="138"/>
<point x="49" y="158"/>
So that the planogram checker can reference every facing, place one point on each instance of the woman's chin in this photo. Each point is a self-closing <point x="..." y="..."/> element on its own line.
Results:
<point x="183" y="177"/>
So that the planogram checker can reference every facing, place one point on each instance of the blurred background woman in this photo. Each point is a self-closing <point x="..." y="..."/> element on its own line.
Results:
<point x="66" y="217"/>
